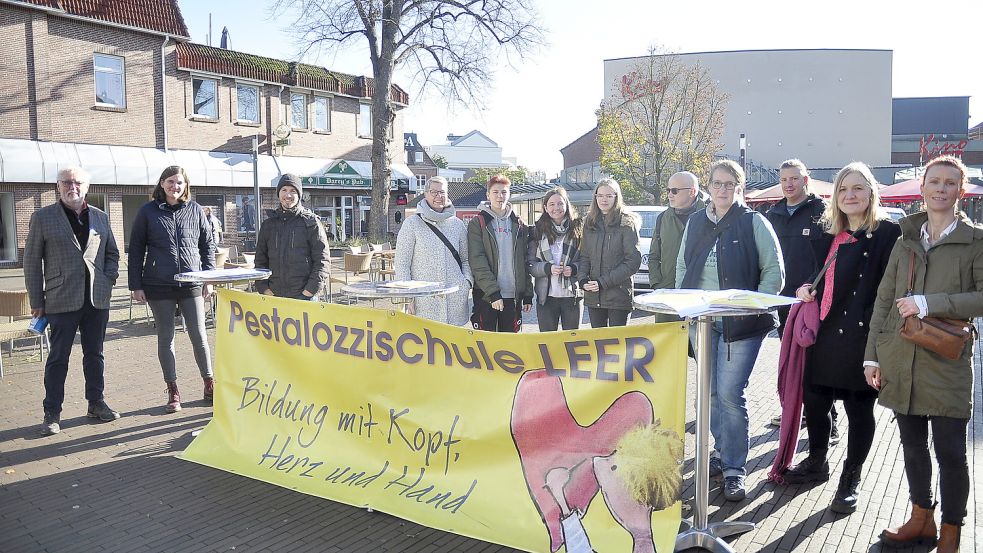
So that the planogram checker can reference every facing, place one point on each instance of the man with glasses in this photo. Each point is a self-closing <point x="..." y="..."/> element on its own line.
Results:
<point x="685" y="197"/>
<point x="71" y="263"/>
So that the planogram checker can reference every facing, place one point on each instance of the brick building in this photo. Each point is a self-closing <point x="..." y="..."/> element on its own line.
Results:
<point x="119" y="89"/>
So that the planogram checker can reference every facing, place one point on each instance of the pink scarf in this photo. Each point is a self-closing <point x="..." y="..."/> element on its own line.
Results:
<point x="800" y="333"/>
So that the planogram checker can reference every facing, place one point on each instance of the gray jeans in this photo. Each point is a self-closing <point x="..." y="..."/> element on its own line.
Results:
<point x="193" y="310"/>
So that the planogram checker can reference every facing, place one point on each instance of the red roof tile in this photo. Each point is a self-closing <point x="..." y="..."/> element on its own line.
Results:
<point x="199" y="57"/>
<point x="160" y="16"/>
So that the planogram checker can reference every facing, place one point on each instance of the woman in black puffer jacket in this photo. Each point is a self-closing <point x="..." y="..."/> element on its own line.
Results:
<point x="171" y="235"/>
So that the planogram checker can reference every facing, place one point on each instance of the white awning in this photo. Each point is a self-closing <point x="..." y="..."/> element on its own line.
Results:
<point x="31" y="161"/>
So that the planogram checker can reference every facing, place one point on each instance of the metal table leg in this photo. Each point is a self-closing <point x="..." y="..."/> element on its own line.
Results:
<point x="699" y="533"/>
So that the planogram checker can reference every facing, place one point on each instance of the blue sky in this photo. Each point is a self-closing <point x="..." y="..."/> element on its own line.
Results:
<point x="538" y="105"/>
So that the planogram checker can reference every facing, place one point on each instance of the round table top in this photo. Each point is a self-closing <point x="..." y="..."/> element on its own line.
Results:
<point x="223" y="275"/>
<point x="398" y="289"/>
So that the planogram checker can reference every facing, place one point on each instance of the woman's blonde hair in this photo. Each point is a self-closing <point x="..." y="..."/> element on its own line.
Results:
<point x="834" y="221"/>
<point x="617" y="210"/>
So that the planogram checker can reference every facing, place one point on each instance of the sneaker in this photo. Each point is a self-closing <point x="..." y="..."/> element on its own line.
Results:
<point x="812" y="469"/>
<point x="734" y="488"/>
<point x="776" y="420"/>
<point x="716" y="467"/>
<point x="834" y="435"/>
<point x="51" y="424"/>
<point x="99" y="410"/>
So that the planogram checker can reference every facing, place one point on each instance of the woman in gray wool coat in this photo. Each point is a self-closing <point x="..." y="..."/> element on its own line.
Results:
<point x="422" y="255"/>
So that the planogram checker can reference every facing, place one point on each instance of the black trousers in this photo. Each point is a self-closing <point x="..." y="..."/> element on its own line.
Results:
<point x="949" y="440"/>
<point x="509" y="319"/>
<point x="601" y="317"/>
<point x="554" y="311"/>
<point x="860" y="424"/>
<point x="90" y="323"/>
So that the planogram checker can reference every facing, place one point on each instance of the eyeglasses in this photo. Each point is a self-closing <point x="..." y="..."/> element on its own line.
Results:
<point x="677" y="190"/>
<point x="606" y="196"/>
<point x="71" y="183"/>
<point x="717" y="185"/>
<point x="438" y="193"/>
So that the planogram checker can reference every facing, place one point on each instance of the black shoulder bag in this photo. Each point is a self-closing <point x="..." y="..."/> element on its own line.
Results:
<point x="457" y="256"/>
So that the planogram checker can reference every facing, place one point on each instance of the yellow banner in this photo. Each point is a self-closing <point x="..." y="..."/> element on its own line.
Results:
<point x="562" y="441"/>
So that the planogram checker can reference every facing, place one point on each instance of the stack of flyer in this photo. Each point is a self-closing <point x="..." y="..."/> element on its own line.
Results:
<point x="690" y="303"/>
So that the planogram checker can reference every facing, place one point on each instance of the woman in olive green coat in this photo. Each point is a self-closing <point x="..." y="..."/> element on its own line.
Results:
<point x="919" y="385"/>
<point x="609" y="251"/>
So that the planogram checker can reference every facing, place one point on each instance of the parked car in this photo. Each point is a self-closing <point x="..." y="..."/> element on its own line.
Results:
<point x="895" y="213"/>
<point x="649" y="214"/>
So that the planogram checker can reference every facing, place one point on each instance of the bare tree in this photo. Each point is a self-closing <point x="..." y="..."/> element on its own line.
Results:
<point x="665" y="116"/>
<point x="451" y="46"/>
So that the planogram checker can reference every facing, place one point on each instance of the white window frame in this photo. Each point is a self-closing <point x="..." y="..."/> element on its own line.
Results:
<point x="259" y="111"/>
<point x="122" y="78"/>
<point x="306" y="112"/>
<point x="327" y="102"/>
<point x="215" y="82"/>
<point x="359" y="130"/>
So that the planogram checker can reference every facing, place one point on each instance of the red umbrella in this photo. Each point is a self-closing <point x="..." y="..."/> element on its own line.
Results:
<point x="910" y="190"/>
<point x="818" y="187"/>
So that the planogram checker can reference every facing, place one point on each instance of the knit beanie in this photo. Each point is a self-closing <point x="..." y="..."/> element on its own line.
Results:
<point x="292" y="180"/>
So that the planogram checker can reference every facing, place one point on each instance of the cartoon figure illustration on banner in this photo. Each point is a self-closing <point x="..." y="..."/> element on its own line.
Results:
<point x="631" y="459"/>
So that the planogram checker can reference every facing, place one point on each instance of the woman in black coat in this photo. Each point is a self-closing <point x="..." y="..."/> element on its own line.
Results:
<point x="171" y="235"/>
<point x="861" y="241"/>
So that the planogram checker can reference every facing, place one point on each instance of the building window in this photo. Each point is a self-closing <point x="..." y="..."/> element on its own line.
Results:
<point x="298" y="111"/>
<point x="364" y="126"/>
<point x="247" y="98"/>
<point x="205" y="97"/>
<point x="322" y="114"/>
<point x="110" y="84"/>
<point x="418" y="157"/>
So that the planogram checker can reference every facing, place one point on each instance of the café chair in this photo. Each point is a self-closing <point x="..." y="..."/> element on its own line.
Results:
<point x="16" y="306"/>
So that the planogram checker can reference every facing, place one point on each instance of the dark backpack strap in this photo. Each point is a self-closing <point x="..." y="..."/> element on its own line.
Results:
<point x="457" y="256"/>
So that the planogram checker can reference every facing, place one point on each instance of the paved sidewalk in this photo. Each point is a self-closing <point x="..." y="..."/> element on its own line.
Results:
<point x="120" y="487"/>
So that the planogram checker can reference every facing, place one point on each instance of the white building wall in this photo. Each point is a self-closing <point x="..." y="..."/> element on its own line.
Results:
<point x="826" y="107"/>
<point x="468" y="156"/>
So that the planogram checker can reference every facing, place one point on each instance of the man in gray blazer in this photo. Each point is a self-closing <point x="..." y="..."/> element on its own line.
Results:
<point x="71" y="263"/>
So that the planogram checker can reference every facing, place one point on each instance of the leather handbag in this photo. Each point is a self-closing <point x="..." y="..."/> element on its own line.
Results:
<point x="946" y="337"/>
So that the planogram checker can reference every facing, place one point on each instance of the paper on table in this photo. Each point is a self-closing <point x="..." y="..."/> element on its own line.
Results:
<point x="691" y="302"/>
<point x="407" y="284"/>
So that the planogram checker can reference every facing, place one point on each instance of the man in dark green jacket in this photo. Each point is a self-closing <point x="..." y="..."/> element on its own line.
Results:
<point x="497" y="241"/>
<point x="685" y="198"/>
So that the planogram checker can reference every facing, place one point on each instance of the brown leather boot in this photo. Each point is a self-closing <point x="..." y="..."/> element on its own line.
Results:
<point x="919" y="529"/>
<point x="209" y="388"/>
<point x="173" y="398"/>
<point x="949" y="538"/>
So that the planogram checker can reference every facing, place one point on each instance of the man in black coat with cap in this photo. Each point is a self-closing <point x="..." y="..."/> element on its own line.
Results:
<point x="293" y="246"/>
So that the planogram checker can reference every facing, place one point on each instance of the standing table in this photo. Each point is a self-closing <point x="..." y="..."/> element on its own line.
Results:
<point x="699" y="533"/>
<point x="399" y="293"/>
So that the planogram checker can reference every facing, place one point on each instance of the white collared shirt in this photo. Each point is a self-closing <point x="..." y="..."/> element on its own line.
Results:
<point x="926" y="239"/>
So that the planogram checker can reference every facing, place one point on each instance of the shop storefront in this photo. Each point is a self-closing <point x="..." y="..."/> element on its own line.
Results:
<point x="123" y="178"/>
